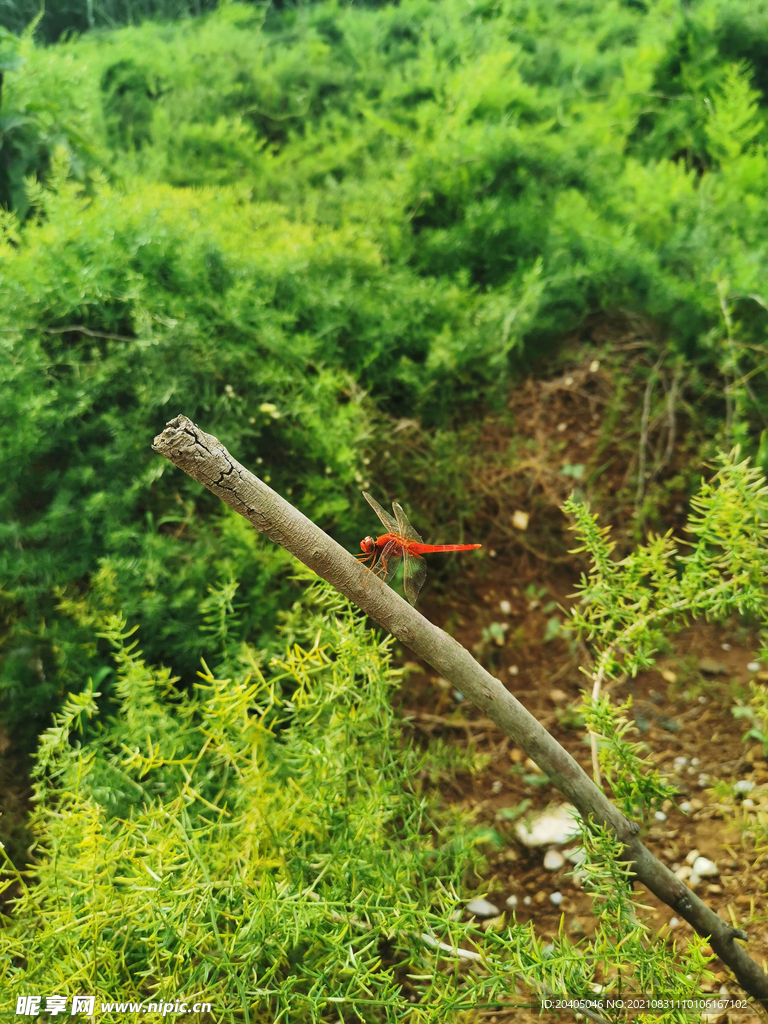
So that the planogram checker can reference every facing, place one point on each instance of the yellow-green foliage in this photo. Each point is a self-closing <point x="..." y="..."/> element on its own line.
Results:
<point x="268" y="844"/>
<point x="254" y="844"/>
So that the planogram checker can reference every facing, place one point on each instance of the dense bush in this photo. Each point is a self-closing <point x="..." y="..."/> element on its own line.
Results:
<point x="272" y="845"/>
<point x="259" y="215"/>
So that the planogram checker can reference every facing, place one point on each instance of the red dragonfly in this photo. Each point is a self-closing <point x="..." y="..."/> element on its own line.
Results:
<point x="401" y="541"/>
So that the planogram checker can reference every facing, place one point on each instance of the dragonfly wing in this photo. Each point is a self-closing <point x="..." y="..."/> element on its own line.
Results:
<point x="389" y="561"/>
<point x="385" y="517"/>
<point x="404" y="528"/>
<point x="414" y="575"/>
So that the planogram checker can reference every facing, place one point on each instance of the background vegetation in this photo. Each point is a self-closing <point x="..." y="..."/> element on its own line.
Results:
<point x="305" y="226"/>
<point x="289" y="223"/>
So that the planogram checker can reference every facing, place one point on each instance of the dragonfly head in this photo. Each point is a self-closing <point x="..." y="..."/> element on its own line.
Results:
<point x="367" y="545"/>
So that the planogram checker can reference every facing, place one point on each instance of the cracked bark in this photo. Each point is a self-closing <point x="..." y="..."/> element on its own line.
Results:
<point x="206" y="460"/>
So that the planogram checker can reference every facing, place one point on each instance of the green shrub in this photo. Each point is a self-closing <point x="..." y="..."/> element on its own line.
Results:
<point x="271" y="844"/>
<point x="318" y="216"/>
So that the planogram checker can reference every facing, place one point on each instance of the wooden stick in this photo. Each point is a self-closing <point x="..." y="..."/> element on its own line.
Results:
<point x="206" y="460"/>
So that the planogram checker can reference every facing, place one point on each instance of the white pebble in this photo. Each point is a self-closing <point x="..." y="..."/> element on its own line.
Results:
<point x="686" y="807"/>
<point x="458" y="695"/>
<point x="695" y="762"/>
<point x="511" y="902"/>
<point x="660" y="816"/>
<point x="749" y="804"/>
<point x="554" y="826"/>
<point x="556" y="898"/>
<point x="575" y="855"/>
<point x="680" y="762"/>
<point x="705" y="868"/>
<point x="497" y="786"/>
<point x="673" y="922"/>
<point x="743" y="786"/>
<point x="726" y="647"/>
<point x="553" y="860"/>
<point x="527" y="901"/>
<point x="482" y="908"/>
<point x="754" y="666"/>
<point x="505" y="607"/>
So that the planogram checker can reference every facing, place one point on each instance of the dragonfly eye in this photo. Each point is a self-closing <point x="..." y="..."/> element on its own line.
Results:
<point x="367" y="545"/>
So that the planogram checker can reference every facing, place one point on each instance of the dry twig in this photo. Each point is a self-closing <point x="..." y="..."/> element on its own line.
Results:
<point x="206" y="460"/>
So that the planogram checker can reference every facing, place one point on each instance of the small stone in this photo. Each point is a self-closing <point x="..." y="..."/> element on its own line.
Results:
<point x="680" y="762"/>
<point x="594" y="366"/>
<point x="552" y="828"/>
<point x="697" y="804"/>
<point x="505" y="607"/>
<point x="527" y="901"/>
<point x="743" y="786"/>
<point x="575" y="855"/>
<point x="683" y="873"/>
<point x="668" y="675"/>
<point x="705" y="868"/>
<point x="540" y="897"/>
<point x="660" y="816"/>
<point x="749" y="804"/>
<point x="520" y="520"/>
<point x="556" y="898"/>
<point x="513" y="670"/>
<point x="511" y="902"/>
<point x="695" y="762"/>
<point x="711" y="667"/>
<point x="497" y="786"/>
<point x="692" y="855"/>
<point x="553" y="860"/>
<point x="458" y="695"/>
<point x="686" y="806"/>
<point x="558" y="696"/>
<point x="754" y="666"/>
<point x="493" y="924"/>
<point x="482" y="908"/>
<point x="673" y="922"/>
<point x="726" y="647"/>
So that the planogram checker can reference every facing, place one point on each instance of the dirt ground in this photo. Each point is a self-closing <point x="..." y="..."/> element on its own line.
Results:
<point x="501" y="610"/>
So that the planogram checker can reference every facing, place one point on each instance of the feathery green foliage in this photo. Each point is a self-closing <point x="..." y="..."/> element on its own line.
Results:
<point x="628" y="608"/>
<point x="289" y="222"/>
<point x="271" y="845"/>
